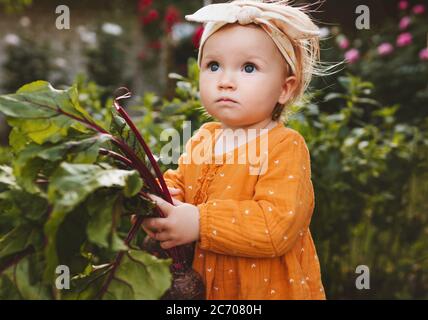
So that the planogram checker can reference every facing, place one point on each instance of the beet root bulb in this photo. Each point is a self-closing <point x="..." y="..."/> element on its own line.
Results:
<point x="187" y="284"/>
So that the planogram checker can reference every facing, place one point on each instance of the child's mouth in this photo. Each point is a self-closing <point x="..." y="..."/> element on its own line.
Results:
<point x="226" y="100"/>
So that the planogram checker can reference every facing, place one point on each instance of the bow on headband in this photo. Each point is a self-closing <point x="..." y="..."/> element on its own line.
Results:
<point x="283" y="23"/>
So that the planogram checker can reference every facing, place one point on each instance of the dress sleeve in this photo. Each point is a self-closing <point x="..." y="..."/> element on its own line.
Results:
<point x="270" y="223"/>
<point x="175" y="178"/>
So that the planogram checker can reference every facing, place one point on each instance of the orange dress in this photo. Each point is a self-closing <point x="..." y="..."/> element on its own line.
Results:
<point x="254" y="241"/>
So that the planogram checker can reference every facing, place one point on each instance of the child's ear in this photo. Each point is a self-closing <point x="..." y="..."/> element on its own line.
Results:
<point x="287" y="89"/>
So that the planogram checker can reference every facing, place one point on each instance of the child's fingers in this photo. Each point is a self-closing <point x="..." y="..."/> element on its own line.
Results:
<point x="167" y="244"/>
<point x="176" y="202"/>
<point x="155" y="224"/>
<point x="165" y="206"/>
<point x="151" y="233"/>
<point x="174" y="191"/>
<point x="147" y="227"/>
<point x="148" y="232"/>
<point x="162" y="236"/>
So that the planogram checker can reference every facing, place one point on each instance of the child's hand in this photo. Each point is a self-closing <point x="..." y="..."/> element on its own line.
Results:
<point x="180" y="226"/>
<point x="175" y="192"/>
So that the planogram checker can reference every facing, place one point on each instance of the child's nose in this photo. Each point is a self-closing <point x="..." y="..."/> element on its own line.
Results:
<point x="226" y="81"/>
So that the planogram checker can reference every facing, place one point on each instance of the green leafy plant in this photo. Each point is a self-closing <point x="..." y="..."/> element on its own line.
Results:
<point x="67" y="197"/>
<point x="12" y="6"/>
<point x="369" y="174"/>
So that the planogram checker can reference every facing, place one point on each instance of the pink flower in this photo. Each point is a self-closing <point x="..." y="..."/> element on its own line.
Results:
<point x="344" y="43"/>
<point x="143" y="4"/>
<point x="196" y="39"/>
<point x="423" y="54"/>
<point x="151" y="16"/>
<point x="385" y="49"/>
<point x="172" y="16"/>
<point x="404" y="39"/>
<point x="352" y="55"/>
<point x="419" y="9"/>
<point x="403" y="5"/>
<point x="404" y="22"/>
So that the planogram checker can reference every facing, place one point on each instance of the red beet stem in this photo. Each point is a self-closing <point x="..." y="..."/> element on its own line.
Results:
<point x="179" y="251"/>
<point x="144" y="145"/>
<point x="141" y="167"/>
<point x="116" y="156"/>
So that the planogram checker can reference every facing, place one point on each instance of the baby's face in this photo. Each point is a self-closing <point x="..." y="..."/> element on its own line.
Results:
<point x="243" y="64"/>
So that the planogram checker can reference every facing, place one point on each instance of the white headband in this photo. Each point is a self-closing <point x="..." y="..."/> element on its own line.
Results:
<point x="283" y="23"/>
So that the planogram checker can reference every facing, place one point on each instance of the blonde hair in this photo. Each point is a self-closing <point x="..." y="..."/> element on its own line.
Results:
<point x="307" y="53"/>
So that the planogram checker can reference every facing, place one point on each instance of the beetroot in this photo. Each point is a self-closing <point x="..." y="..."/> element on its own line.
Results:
<point x="187" y="285"/>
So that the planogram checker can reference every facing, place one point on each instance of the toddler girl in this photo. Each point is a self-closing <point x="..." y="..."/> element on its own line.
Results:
<point x="249" y="214"/>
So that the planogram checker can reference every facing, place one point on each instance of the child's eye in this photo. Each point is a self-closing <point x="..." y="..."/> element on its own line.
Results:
<point x="213" y="66"/>
<point x="249" y="67"/>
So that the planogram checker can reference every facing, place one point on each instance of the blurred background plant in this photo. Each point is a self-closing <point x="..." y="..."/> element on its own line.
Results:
<point x="167" y="39"/>
<point x="367" y="132"/>
<point x="390" y="55"/>
<point x="366" y="127"/>
<point x="26" y="61"/>
<point x="369" y="174"/>
<point x="106" y="56"/>
<point x="14" y="5"/>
